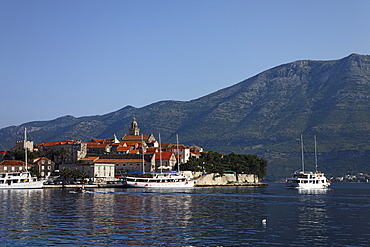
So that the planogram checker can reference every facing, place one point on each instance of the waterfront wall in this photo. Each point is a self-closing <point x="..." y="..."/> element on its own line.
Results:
<point x="214" y="179"/>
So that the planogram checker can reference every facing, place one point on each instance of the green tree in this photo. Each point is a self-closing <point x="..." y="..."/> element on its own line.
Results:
<point x="65" y="173"/>
<point x="63" y="154"/>
<point x="213" y="162"/>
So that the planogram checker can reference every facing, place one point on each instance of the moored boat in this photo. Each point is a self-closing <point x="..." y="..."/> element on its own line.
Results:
<point x="159" y="180"/>
<point x="305" y="179"/>
<point x="19" y="180"/>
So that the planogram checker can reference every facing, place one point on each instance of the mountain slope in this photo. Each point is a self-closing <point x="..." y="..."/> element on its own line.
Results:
<point x="263" y="115"/>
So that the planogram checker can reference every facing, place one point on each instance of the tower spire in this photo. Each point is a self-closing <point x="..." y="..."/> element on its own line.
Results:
<point x="134" y="130"/>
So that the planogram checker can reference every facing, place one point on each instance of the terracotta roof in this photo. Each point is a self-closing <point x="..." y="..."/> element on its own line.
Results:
<point x="135" y="137"/>
<point x="39" y="159"/>
<point x="49" y="144"/>
<point x="96" y="145"/>
<point x="165" y="155"/>
<point x="131" y="142"/>
<point x="13" y="163"/>
<point x="151" y="150"/>
<point x="94" y="158"/>
<point x="97" y="140"/>
<point x="123" y="148"/>
<point x="165" y="145"/>
<point x="119" y="143"/>
<point x="119" y="161"/>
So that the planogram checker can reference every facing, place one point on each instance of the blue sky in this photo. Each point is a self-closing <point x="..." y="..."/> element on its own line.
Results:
<point x="90" y="57"/>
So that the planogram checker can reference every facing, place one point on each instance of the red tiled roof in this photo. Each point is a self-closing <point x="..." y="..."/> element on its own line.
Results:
<point x="165" y="155"/>
<point x="101" y="141"/>
<point x="13" y="163"/>
<point x="50" y="144"/>
<point x="94" y="158"/>
<point x="120" y="149"/>
<point x="39" y="159"/>
<point x="165" y="145"/>
<point x="96" y="145"/>
<point x="151" y="150"/>
<point x="97" y="140"/>
<point x="119" y="161"/>
<point x="132" y="142"/>
<point x="136" y="137"/>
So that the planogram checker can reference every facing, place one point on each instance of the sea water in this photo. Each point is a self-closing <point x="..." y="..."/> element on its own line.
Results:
<point x="216" y="216"/>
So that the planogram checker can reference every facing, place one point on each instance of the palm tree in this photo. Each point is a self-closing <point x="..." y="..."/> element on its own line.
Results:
<point x="65" y="173"/>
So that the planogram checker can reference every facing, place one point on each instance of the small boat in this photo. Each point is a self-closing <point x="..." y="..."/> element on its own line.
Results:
<point x="305" y="179"/>
<point x="79" y="190"/>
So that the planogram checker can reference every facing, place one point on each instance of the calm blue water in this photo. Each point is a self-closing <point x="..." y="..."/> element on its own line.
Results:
<point x="188" y="217"/>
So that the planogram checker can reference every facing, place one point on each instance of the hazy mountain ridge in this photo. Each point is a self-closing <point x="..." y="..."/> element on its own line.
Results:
<point x="264" y="114"/>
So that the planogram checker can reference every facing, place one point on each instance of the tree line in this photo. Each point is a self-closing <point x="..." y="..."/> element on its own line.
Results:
<point x="213" y="162"/>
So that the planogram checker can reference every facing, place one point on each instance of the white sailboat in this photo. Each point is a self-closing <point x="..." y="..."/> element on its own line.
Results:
<point x="20" y="179"/>
<point x="305" y="179"/>
<point x="160" y="179"/>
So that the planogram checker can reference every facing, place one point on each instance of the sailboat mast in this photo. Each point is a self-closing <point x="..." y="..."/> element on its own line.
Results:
<point x="302" y="153"/>
<point x="315" y="152"/>
<point x="142" y="151"/>
<point x="25" y="146"/>
<point x="178" y="153"/>
<point x="160" y="152"/>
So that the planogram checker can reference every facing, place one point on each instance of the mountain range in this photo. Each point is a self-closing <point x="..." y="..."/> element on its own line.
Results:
<point x="263" y="115"/>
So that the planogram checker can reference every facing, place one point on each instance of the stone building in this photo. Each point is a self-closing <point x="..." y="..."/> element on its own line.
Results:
<point x="44" y="166"/>
<point x="64" y="152"/>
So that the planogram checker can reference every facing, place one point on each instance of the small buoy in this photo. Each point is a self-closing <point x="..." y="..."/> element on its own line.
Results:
<point x="264" y="221"/>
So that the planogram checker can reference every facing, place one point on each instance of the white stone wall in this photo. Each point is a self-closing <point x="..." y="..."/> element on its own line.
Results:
<point x="216" y="179"/>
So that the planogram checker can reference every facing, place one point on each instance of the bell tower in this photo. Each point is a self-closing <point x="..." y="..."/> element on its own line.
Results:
<point x="134" y="130"/>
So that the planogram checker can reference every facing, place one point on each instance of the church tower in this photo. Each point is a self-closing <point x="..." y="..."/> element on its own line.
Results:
<point x="134" y="130"/>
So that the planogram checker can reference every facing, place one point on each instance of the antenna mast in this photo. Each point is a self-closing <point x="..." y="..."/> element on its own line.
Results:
<point x="160" y="151"/>
<point x="142" y="150"/>
<point x="302" y="153"/>
<point x="178" y="153"/>
<point x="315" y="153"/>
<point x="25" y="146"/>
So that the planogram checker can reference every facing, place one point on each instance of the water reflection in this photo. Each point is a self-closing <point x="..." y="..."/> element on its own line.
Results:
<point x="313" y="216"/>
<point x="196" y="217"/>
<point x="313" y="191"/>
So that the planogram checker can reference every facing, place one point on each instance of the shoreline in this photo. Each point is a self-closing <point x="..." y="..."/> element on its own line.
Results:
<point x="124" y="186"/>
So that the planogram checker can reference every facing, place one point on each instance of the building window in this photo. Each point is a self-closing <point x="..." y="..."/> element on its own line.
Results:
<point x="42" y="167"/>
